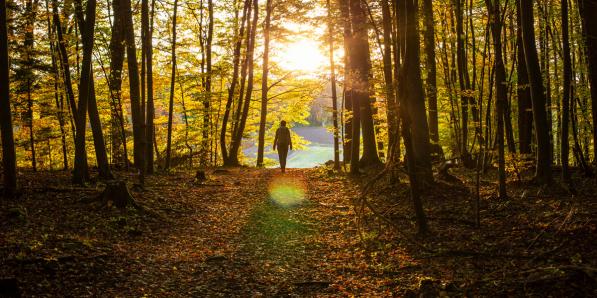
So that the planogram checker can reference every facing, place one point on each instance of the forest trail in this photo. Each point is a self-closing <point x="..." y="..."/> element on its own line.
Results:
<point x="244" y="232"/>
<point x="247" y="232"/>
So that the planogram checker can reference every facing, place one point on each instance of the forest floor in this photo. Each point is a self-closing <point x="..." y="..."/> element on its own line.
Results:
<point x="256" y="232"/>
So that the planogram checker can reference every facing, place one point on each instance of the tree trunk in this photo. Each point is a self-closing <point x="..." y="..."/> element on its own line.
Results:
<point x="208" y="79"/>
<point x="172" y="79"/>
<point x="388" y="75"/>
<point x="361" y="68"/>
<point x="147" y="28"/>
<point x="57" y="95"/>
<point x="98" y="135"/>
<point x="501" y="90"/>
<point x="543" y="167"/>
<point x="525" y="112"/>
<point x="334" y="92"/>
<point x="588" y="14"/>
<point x="8" y="146"/>
<point x="238" y="137"/>
<point x="411" y="93"/>
<point x="431" y="84"/>
<point x="347" y="98"/>
<point x="94" y="120"/>
<point x="264" y="87"/>
<point x="80" y="174"/>
<point x="234" y="81"/>
<point x="136" y="111"/>
<point x="63" y="55"/>
<point x="566" y="93"/>
<point x="116" y="63"/>
<point x="463" y="81"/>
<point x="413" y="90"/>
<point x="28" y="44"/>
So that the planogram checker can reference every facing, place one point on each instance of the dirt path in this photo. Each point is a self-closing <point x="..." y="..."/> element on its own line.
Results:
<point x="278" y="246"/>
<point x="245" y="232"/>
<point x="255" y="232"/>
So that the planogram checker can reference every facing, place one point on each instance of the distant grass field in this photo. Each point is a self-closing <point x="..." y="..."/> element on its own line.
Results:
<point x="314" y="155"/>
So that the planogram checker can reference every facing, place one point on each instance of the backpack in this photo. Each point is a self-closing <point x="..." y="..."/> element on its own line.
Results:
<point x="283" y="136"/>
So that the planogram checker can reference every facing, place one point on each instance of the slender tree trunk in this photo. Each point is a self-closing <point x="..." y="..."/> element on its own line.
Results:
<point x="8" y="146"/>
<point x="186" y="123"/>
<point x="411" y="93"/>
<point x="80" y="174"/>
<point x="150" y="130"/>
<point x="172" y="80"/>
<point x="57" y="95"/>
<point x="94" y="120"/>
<point x="431" y="84"/>
<point x="543" y="169"/>
<point x="525" y="112"/>
<point x="501" y="90"/>
<point x="28" y="43"/>
<point x="360" y="69"/>
<point x="116" y="63"/>
<point x="208" y="80"/>
<point x="588" y="14"/>
<point x="98" y="136"/>
<point x="413" y="90"/>
<point x="462" y="79"/>
<point x="136" y="111"/>
<point x="566" y="92"/>
<point x="234" y="81"/>
<point x="264" y="87"/>
<point x="388" y="74"/>
<point x="334" y="92"/>
<point x="347" y="93"/>
<point x="63" y="58"/>
<point x="237" y="139"/>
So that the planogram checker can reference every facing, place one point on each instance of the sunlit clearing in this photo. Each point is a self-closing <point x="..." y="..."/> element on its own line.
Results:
<point x="302" y="55"/>
<point x="286" y="192"/>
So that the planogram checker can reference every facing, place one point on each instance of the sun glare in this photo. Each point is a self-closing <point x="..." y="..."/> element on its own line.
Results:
<point x="303" y="55"/>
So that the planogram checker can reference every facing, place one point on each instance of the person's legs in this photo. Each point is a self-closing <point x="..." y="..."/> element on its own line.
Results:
<point x="282" y="154"/>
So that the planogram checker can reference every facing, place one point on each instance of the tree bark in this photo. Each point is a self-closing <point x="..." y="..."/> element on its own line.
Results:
<point x="264" y="77"/>
<point x="208" y="79"/>
<point x="412" y="86"/>
<point x="63" y="58"/>
<point x="501" y="90"/>
<point x="347" y="95"/>
<point x="431" y="82"/>
<point x="58" y="99"/>
<point x="360" y="71"/>
<point x="147" y="28"/>
<point x="8" y="146"/>
<point x="28" y="44"/>
<point x="588" y="14"/>
<point x="411" y="93"/>
<point x="543" y="167"/>
<point x="525" y="112"/>
<point x="234" y="81"/>
<point x="119" y="148"/>
<point x="463" y="80"/>
<point x="564" y="145"/>
<point x="98" y="135"/>
<point x="136" y="111"/>
<point x="333" y="83"/>
<point x="80" y="174"/>
<point x="237" y="138"/>
<point x="172" y="80"/>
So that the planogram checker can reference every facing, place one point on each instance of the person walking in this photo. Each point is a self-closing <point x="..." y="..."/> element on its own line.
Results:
<point x="283" y="141"/>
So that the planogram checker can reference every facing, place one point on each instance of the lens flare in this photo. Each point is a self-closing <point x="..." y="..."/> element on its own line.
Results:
<point x="286" y="192"/>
